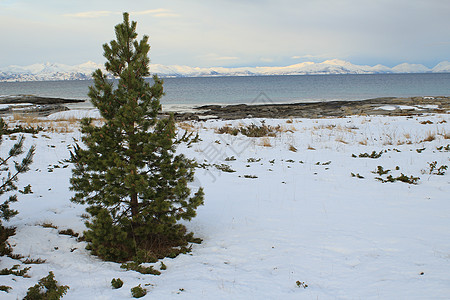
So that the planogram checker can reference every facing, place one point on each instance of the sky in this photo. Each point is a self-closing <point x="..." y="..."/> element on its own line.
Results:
<point x="232" y="33"/>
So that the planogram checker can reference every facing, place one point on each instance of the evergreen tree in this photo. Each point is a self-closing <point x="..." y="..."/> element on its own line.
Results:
<point x="8" y="183"/>
<point x="127" y="171"/>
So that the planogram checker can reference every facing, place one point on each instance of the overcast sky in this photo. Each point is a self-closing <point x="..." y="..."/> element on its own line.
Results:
<point x="230" y="33"/>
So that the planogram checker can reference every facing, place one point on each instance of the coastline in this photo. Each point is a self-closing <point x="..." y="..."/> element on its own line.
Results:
<point x="387" y="106"/>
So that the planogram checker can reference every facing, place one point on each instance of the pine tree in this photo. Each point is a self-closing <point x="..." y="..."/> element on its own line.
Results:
<point x="8" y="183"/>
<point x="127" y="171"/>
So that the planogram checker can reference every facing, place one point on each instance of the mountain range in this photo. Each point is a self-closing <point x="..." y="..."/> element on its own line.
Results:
<point x="55" y="71"/>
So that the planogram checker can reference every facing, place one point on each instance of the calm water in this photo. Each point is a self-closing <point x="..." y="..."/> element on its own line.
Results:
<point x="261" y="89"/>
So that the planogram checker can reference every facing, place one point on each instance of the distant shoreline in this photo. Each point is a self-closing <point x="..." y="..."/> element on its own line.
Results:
<point x="163" y="76"/>
<point x="391" y="106"/>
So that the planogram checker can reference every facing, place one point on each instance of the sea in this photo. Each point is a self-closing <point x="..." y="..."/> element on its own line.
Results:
<point x="184" y="93"/>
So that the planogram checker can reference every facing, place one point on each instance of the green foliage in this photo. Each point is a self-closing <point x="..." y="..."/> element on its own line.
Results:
<point x="374" y="155"/>
<point x="138" y="291"/>
<point x="224" y="168"/>
<point x="5" y="233"/>
<point x="116" y="283"/>
<point x="37" y="261"/>
<point x="357" y="175"/>
<point x="443" y="149"/>
<point x="163" y="266"/>
<point x="14" y="270"/>
<point x="46" y="289"/>
<point x="402" y="177"/>
<point x="127" y="171"/>
<point x="140" y="268"/>
<point x="380" y="171"/>
<point x="188" y="138"/>
<point x="9" y="178"/>
<point x="69" y="232"/>
<point x="18" y="128"/>
<point x="5" y="288"/>
<point x="434" y="169"/>
<point x="8" y="183"/>
<point x="252" y="159"/>
<point x="26" y="190"/>
<point x="301" y="284"/>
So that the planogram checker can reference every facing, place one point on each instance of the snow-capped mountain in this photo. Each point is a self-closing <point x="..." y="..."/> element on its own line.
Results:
<point x="54" y="71"/>
<point x="442" y="67"/>
<point x="410" y="68"/>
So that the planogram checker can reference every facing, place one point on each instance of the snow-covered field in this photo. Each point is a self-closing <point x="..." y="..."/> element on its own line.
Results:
<point x="291" y="212"/>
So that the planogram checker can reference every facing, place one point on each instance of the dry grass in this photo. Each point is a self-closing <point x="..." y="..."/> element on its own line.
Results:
<point x="311" y="147"/>
<point x="341" y="140"/>
<point x="430" y="136"/>
<point x="292" y="148"/>
<point x="186" y="126"/>
<point x="363" y="142"/>
<point x="57" y="126"/>
<point x="265" y="142"/>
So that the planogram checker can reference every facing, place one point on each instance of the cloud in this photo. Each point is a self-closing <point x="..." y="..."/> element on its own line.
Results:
<point x="166" y="15"/>
<point x="309" y="56"/>
<point x="214" y="56"/>
<point x="265" y="59"/>
<point x="227" y="58"/>
<point x="158" y="12"/>
<point x="92" y="14"/>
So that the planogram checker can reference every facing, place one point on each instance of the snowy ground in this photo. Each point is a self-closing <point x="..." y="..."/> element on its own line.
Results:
<point x="304" y="218"/>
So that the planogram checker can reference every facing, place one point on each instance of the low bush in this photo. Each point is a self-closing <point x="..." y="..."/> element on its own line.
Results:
<point x="116" y="283"/>
<point x="46" y="289"/>
<point x="138" y="291"/>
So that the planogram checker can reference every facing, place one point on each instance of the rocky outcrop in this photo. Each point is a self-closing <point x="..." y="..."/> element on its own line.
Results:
<point x="379" y="106"/>
<point x="41" y="106"/>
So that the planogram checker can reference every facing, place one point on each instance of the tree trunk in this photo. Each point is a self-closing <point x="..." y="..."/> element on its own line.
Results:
<point x="134" y="204"/>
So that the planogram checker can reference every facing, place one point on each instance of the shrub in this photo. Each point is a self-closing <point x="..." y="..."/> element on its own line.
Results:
<point x="138" y="291"/>
<point x="46" y="289"/>
<point x="14" y="270"/>
<point x="434" y="169"/>
<point x="5" y="288"/>
<point x="116" y="283"/>
<point x="374" y="154"/>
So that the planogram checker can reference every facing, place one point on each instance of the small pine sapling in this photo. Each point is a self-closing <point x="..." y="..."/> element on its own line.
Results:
<point x="8" y="182"/>
<point x="46" y="288"/>
<point x="127" y="172"/>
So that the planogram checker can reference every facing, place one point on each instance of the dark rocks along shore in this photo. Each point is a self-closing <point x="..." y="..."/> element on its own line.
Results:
<point x="390" y="106"/>
<point x="379" y="106"/>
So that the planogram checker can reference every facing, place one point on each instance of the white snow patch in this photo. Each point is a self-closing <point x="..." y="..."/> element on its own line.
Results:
<point x="77" y="114"/>
<point x="387" y="107"/>
<point x="304" y="218"/>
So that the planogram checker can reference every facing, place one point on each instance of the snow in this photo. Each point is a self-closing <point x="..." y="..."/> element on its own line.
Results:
<point x="304" y="218"/>
<point x="442" y="67"/>
<point x="410" y="68"/>
<point x="54" y="71"/>
<point x="75" y="114"/>
<point x="14" y="105"/>
<point x="405" y="107"/>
